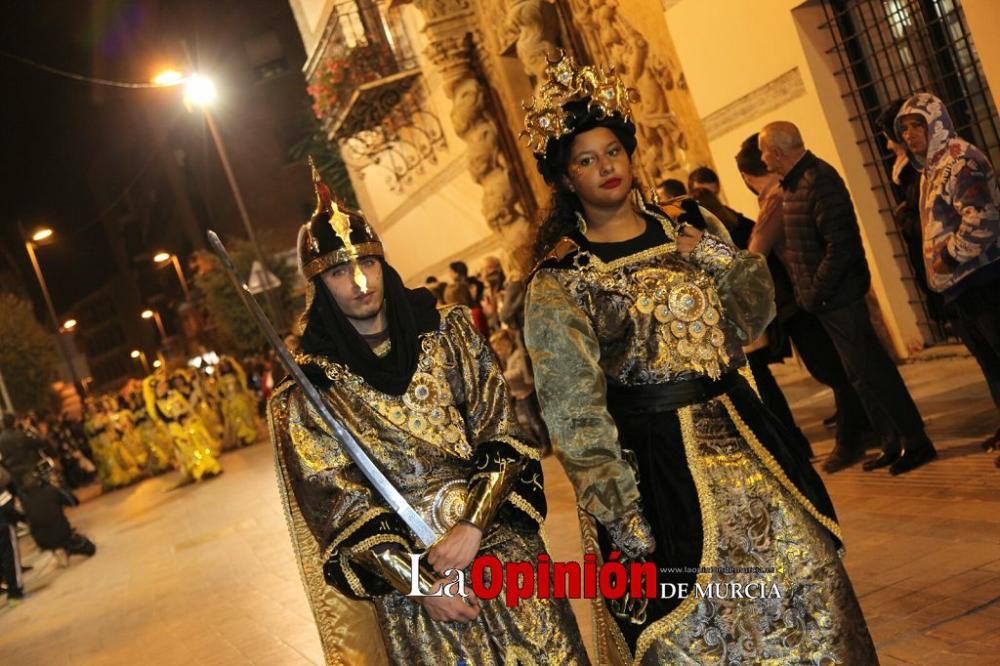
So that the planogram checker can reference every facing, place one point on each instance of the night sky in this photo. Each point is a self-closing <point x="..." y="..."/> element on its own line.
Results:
<point x="56" y="129"/>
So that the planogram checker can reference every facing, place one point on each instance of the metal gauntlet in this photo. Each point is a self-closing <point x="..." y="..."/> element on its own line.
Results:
<point x="393" y="565"/>
<point x="487" y="493"/>
<point x="631" y="534"/>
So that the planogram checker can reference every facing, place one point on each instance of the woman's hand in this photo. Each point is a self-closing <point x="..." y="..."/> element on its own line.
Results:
<point x="688" y="238"/>
<point x="457" y="549"/>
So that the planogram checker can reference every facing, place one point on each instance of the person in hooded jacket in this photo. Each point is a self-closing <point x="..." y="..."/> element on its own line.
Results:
<point x="960" y="225"/>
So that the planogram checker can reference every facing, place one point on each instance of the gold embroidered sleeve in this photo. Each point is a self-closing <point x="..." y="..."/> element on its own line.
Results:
<point x="747" y="294"/>
<point x="572" y="390"/>
<point x="488" y="410"/>
<point x="334" y="499"/>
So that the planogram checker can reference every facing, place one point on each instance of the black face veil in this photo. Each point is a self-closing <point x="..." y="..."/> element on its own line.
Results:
<point x="329" y="333"/>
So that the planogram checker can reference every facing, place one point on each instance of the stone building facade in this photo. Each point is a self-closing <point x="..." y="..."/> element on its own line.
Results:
<point x="430" y="127"/>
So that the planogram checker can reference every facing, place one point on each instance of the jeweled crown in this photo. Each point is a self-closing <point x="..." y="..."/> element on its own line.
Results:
<point x="546" y="119"/>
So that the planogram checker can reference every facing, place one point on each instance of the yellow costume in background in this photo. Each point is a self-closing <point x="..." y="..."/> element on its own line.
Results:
<point x="193" y="446"/>
<point x="131" y="451"/>
<point x="153" y="435"/>
<point x="102" y="445"/>
<point x="238" y="407"/>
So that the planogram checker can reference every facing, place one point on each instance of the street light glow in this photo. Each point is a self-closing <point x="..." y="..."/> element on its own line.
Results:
<point x="169" y="77"/>
<point x="135" y="353"/>
<point x="147" y="314"/>
<point x="69" y="324"/>
<point x="157" y="363"/>
<point x="41" y="234"/>
<point x="200" y="91"/>
<point x="160" y="257"/>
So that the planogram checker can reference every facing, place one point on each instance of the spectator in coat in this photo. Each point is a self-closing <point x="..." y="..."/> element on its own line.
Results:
<point x="960" y="225"/>
<point x="830" y="277"/>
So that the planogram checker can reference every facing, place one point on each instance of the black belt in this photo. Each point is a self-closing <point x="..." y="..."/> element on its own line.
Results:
<point x="658" y="398"/>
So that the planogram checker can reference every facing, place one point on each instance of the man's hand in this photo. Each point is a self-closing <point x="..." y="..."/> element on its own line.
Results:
<point x="450" y="609"/>
<point x="687" y="239"/>
<point x="456" y="549"/>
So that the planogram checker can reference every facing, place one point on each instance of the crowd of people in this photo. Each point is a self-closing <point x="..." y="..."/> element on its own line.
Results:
<point x="181" y="420"/>
<point x="807" y="228"/>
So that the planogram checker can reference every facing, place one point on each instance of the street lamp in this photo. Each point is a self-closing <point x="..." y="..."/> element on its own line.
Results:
<point x="154" y="315"/>
<point x="165" y="257"/>
<point x="201" y="92"/>
<point x="69" y="325"/>
<point x="40" y="235"/>
<point x="142" y="358"/>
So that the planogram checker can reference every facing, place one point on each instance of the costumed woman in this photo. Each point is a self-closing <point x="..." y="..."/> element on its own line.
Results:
<point x="194" y="449"/>
<point x="634" y="321"/>
<point x="115" y="467"/>
<point x="185" y="383"/>
<point x="131" y="446"/>
<point x="238" y="406"/>
<point x="152" y="433"/>
<point x="424" y="396"/>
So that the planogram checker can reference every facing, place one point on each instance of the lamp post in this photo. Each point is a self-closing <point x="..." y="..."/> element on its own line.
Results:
<point x="155" y="316"/>
<point x="142" y="358"/>
<point x="200" y="91"/>
<point x="163" y="258"/>
<point x="41" y="235"/>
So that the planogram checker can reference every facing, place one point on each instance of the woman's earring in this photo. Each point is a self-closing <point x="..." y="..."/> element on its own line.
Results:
<point x="581" y="222"/>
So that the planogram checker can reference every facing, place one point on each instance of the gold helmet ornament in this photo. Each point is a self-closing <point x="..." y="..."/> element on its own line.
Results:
<point x="564" y="82"/>
<point x="333" y="236"/>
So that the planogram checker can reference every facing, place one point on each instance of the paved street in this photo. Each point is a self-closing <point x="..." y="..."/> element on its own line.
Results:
<point x="205" y="574"/>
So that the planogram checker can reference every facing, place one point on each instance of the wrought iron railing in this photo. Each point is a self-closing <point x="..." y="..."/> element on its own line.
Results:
<point x="369" y="94"/>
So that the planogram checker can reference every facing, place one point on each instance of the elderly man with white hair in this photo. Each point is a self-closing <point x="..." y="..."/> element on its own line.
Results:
<point x="830" y="276"/>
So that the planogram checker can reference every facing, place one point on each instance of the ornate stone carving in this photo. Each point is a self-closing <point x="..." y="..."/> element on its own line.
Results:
<point x="615" y="41"/>
<point x="451" y="31"/>
<point x="532" y="29"/>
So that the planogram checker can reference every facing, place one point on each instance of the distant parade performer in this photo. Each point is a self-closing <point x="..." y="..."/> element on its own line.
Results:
<point x="114" y="468"/>
<point x="130" y="445"/>
<point x="423" y="394"/>
<point x="184" y="382"/>
<point x="152" y="433"/>
<point x="195" y="450"/>
<point x="239" y="412"/>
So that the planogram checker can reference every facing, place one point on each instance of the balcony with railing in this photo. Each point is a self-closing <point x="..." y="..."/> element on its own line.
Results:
<point x="369" y="94"/>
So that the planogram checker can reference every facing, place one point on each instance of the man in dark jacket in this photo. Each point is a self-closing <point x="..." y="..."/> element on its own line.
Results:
<point x="826" y="261"/>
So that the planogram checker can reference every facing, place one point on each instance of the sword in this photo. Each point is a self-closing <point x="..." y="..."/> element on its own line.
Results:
<point x="351" y="446"/>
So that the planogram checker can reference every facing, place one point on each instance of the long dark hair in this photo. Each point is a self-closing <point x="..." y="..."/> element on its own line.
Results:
<point x="560" y="217"/>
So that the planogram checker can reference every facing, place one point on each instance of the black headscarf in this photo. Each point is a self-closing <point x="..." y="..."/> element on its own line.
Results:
<point x="329" y="333"/>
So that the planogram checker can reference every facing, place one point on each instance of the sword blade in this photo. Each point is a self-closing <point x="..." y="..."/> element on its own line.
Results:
<point x="383" y="486"/>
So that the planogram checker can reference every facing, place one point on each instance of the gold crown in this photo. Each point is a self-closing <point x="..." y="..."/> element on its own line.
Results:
<point x="545" y="117"/>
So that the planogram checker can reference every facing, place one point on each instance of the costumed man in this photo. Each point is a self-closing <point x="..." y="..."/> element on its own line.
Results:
<point x="238" y="408"/>
<point x="194" y="449"/>
<point x="423" y="394"/>
<point x="635" y="322"/>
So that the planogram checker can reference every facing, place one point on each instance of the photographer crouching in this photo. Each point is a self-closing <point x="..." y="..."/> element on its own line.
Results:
<point x="25" y="458"/>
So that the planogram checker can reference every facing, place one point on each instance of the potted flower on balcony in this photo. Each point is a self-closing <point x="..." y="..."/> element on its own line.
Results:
<point x="339" y="75"/>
